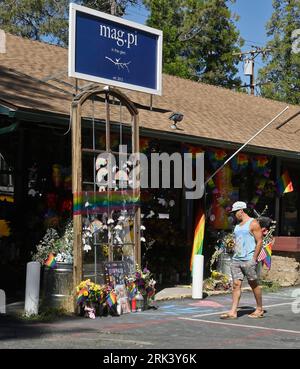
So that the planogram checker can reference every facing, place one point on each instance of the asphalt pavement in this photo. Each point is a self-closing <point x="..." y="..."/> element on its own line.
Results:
<point x="178" y="322"/>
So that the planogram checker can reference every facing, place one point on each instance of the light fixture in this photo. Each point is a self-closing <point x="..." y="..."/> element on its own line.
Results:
<point x="175" y="117"/>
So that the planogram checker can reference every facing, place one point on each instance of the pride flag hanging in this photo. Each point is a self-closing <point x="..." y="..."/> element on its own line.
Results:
<point x="284" y="183"/>
<point x="198" y="236"/>
<point x="50" y="261"/>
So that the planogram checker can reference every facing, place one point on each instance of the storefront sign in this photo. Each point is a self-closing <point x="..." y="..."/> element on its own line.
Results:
<point x="113" y="51"/>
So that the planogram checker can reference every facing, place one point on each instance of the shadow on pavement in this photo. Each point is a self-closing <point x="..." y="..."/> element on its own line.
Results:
<point x="13" y="327"/>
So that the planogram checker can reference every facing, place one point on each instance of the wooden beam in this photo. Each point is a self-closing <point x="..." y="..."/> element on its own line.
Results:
<point x="77" y="190"/>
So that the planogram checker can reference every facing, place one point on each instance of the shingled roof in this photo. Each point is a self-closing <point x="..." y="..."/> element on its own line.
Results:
<point x="29" y="71"/>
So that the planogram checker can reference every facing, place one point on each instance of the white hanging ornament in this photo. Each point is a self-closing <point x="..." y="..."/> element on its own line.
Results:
<point x="100" y="161"/>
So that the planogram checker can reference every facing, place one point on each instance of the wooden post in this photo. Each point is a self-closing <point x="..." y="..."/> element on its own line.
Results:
<point x="77" y="192"/>
<point x="137" y="192"/>
<point x="108" y="150"/>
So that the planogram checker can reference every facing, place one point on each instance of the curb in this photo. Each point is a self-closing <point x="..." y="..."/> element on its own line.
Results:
<point x="180" y="296"/>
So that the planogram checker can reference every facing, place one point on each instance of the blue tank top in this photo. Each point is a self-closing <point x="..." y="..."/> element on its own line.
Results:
<point x="245" y="243"/>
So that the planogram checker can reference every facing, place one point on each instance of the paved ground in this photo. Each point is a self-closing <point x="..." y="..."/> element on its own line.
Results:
<point x="176" y="324"/>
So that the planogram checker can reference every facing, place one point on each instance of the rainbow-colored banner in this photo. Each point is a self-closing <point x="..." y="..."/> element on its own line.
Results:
<point x="50" y="261"/>
<point x="284" y="184"/>
<point x="198" y="236"/>
<point x="96" y="202"/>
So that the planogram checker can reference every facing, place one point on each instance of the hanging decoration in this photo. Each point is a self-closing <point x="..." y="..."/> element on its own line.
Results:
<point x="97" y="202"/>
<point x="144" y="144"/>
<point x="239" y="162"/>
<point x="260" y="165"/>
<point x="222" y="198"/>
<point x="216" y="157"/>
<point x="192" y="149"/>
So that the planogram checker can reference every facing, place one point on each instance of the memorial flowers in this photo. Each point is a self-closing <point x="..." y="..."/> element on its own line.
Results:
<point x="141" y="282"/>
<point x="93" y="298"/>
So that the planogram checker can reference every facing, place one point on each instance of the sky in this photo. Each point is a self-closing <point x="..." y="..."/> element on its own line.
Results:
<point x="253" y="14"/>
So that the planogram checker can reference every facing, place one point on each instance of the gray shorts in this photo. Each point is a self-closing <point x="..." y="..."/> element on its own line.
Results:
<point x="239" y="269"/>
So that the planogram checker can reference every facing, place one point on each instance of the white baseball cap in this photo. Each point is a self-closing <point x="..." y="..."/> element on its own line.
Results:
<point x="238" y="205"/>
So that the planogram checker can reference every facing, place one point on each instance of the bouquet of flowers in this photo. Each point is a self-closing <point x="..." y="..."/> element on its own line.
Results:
<point x="141" y="282"/>
<point x="217" y="281"/>
<point x="91" y="296"/>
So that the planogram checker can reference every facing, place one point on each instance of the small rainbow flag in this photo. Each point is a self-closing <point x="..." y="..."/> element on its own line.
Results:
<point x="111" y="299"/>
<point x="265" y="255"/>
<point x="198" y="236"/>
<point x="284" y="183"/>
<point x="50" y="261"/>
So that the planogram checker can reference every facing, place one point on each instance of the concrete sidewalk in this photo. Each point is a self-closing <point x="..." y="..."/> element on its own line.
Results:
<point x="185" y="291"/>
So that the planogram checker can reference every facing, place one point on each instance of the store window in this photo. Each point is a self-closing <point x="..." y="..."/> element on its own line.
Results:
<point x="290" y="202"/>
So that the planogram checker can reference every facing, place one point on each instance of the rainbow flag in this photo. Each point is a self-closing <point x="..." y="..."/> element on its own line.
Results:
<point x="111" y="299"/>
<point x="265" y="255"/>
<point x="50" y="261"/>
<point x="198" y="236"/>
<point x="284" y="183"/>
<point x="96" y="202"/>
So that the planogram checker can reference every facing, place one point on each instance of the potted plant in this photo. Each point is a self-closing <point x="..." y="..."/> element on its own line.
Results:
<point x="55" y="253"/>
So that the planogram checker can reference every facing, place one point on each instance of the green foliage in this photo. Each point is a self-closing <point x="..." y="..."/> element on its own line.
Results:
<point x="52" y="242"/>
<point x="270" y="286"/>
<point x="281" y="75"/>
<point x="47" y="20"/>
<point x="47" y="315"/>
<point x="36" y="19"/>
<point x="200" y="39"/>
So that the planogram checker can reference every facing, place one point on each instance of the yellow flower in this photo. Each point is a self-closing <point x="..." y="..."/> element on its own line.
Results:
<point x="85" y="293"/>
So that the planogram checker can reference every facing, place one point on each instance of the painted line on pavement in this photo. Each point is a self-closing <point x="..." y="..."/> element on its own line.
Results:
<point x="221" y="312"/>
<point x="242" y="325"/>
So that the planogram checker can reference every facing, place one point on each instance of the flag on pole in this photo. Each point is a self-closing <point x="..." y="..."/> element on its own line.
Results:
<point x="198" y="236"/>
<point x="284" y="183"/>
<point x="265" y="255"/>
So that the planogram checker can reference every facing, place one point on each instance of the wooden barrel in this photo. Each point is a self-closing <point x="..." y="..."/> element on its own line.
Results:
<point x="57" y="287"/>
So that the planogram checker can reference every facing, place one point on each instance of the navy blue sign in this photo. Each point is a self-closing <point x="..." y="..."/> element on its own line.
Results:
<point x="111" y="50"/>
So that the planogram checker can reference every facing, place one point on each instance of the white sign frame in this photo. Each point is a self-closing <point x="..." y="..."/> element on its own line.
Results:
<point x="72" y="36"/>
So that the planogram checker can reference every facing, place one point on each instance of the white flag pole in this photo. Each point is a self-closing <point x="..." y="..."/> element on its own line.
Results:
<point x="245" y="144"/>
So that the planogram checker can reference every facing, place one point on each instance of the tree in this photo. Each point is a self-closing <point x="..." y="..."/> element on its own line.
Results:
<point x="280" y="78"/>
<point x="168" y="16"/>
<point x="200" y="39"/>
<point x="47" y="20"/>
